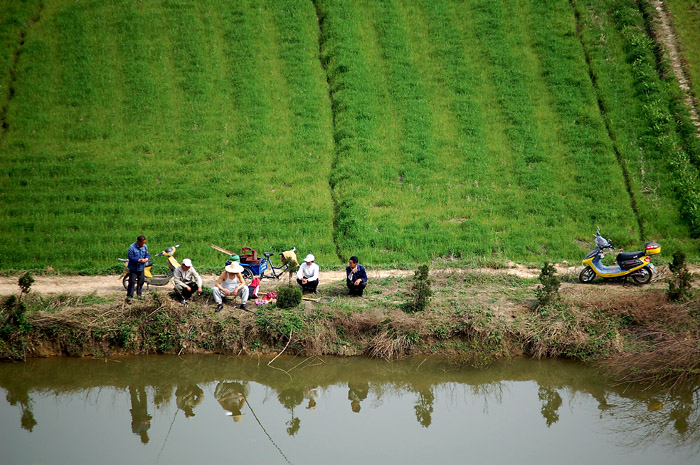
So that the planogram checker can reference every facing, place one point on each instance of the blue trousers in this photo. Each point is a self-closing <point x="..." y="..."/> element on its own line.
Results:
<point x="136" y="278"/>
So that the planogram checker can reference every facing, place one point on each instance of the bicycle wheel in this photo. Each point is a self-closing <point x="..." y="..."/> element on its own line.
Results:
<point x="247" y="274"/>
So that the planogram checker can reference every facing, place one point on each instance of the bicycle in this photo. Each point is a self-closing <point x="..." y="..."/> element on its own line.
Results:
<point x="263" y="268"/>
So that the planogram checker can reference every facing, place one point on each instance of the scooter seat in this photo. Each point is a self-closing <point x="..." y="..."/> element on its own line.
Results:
<point x="623" y="257"/>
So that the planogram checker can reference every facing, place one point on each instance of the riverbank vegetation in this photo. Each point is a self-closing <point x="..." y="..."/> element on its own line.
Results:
<point x="636" y="333"/>
<point x="401" y="131"/>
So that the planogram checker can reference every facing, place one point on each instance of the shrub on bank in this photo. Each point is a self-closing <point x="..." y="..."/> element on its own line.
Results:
<point x="288" y="296"/>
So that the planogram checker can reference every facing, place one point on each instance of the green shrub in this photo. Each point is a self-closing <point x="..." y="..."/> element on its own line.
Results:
<point x="679" y="284"/>
<point x="548" y="291"/>
<point x="25" y="282"/>
<point x="288" y="297"/>
<point x="420" y="291"/>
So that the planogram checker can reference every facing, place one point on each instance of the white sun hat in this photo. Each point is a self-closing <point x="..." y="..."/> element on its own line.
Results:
<point x="310" y="258"/>
<point x="234" y="267"/>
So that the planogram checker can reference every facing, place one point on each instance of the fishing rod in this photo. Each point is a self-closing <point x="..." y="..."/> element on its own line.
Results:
<point x="167" y="436"/>
<point x="265" y="431"/>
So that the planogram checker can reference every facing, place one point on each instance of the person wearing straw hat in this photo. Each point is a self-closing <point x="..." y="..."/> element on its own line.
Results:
<point x="231" y="282"/>
<point x="187" y="281"/>
<point x="307" y="275"/>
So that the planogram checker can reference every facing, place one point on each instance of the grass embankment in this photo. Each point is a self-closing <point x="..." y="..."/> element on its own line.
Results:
<point x="646" y="117"/>
<point x="686" y="22"/>
<point x="174" y="119"/>
<point x="474" y="128"/>
<point x="401" y="131"/>
<point x="474" y="317"/>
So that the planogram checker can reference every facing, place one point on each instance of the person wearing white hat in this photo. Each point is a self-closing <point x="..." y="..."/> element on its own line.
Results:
<point x="307" y="275"/>
<point x="186" y="280"/>
<point x="231" y="282"/>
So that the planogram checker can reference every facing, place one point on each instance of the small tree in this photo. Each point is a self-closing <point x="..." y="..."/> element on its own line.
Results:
<point x="25" y="284"/>
<point x="292" y="267"/>
<point x="679" y="284"/>
<point x="420" y="291"/>
<point x="548" y="290"/>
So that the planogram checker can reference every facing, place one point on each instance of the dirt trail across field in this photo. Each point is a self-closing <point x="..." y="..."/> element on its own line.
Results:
<point x="111" y="285"/>
<point x="671" y="47"/>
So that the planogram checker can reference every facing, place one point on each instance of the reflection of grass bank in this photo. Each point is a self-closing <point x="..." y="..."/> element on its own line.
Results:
<point x="475" y="317"/>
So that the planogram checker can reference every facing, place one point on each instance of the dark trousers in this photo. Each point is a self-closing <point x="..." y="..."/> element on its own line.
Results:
<point x="358" y="289"/>
<point x="136" y="278"/>
<point x="184" y="293"/>
<point x="309" y="286"/>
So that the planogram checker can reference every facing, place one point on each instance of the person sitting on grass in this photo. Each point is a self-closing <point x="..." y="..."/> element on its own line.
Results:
<point x="186" y="280"/>
<point x="231" y="282"/>
<point x="307" y="275"/>
<point x="356" y="277"/>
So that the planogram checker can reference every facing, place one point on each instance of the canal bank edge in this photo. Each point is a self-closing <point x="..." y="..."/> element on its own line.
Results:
<point x="475" y="317"/>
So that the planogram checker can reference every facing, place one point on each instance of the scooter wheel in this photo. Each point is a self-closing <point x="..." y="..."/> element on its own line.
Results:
<point x="642" y="276"/>
<point x="587" y="275"/>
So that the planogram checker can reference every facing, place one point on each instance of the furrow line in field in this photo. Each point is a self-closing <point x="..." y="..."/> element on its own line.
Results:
<point x="334" y="161"/>
<point x="12" y="68"/>
<point x="606" y="120"/>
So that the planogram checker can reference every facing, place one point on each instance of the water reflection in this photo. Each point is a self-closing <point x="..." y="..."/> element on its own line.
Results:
<point x="140" y="419"/>
<point x="188" y="397"/>
<point x="424" y="393"/>
<point x="231" y="397"/>
<point x="20" y="395"/>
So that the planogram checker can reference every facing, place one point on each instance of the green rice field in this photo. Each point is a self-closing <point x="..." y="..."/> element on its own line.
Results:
<point x="401" y="131"/>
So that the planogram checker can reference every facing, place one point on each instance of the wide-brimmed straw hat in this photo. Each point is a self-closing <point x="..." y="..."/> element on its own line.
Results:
<point x="234" y="268"/>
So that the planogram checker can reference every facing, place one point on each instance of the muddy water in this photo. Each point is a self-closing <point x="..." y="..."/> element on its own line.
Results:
<point x="209" y="409"/>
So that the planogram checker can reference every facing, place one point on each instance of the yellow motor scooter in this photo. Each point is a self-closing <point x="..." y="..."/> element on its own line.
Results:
<point x="637" y="265"/>
<point x="149" y="279"/>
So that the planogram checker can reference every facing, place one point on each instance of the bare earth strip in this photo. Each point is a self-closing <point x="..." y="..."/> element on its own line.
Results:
<point x="670" y="46"/>
<point x="111" y="285"/>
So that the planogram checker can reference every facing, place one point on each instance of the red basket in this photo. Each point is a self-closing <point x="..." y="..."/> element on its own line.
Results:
<point x="249" y="256"/>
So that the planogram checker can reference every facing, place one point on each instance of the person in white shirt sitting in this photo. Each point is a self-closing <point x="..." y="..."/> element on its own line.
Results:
<point x="307" y="275"/>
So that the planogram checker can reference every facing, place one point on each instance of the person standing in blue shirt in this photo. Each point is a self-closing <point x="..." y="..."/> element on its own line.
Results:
<point x="356" y="277"/>
<point x="138" y="257"/>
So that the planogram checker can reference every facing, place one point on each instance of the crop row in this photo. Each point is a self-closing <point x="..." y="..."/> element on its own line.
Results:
<point x="399" y="131"/>
<point x="174" y="119"/>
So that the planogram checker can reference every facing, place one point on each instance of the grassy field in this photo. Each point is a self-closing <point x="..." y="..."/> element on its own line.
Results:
<point x="401" y="131"/>
<point x="686" y="20"/>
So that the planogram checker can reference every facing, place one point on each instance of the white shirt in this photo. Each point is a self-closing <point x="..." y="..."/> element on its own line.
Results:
<point x="308" y="272"/>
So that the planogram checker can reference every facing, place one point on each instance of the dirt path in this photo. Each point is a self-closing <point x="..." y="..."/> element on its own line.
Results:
<point x="111" y="285"/>
<point x="669" y="41"/>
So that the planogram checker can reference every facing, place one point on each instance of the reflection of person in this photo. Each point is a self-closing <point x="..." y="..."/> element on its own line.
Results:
<point x="188" y="397"/>
<point x="186" y="280"/>
<point x="357" y="392"/>
<point x="307" y="275"/>
<point x="231" y="397"/>
<point x="140" y="419"/>
<point x="138" y="257"/>
<point x="312" y="395"/>
<point x="356" y="277"/>
<point x="231" y="282"/>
